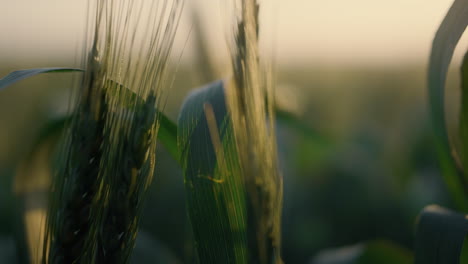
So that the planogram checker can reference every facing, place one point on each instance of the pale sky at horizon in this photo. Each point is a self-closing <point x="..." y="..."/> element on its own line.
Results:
<point x="359" y="32"/>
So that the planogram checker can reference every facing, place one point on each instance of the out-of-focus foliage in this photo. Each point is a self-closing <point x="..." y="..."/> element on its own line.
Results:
<point x="382" y="252"/>
<point x="440" y="235"/>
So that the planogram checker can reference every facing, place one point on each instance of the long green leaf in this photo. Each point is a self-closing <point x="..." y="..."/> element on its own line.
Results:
<point x="16" y="76"/>
<point x="379" y="251"/>
<point x="439" y="236"/>
<point x="215" y="194"/>
<point x="445" y="41"/>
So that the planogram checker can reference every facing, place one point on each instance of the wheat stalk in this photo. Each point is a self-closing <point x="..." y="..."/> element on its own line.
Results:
<point x="250" y="100"/>
<point x="108" y="159"/>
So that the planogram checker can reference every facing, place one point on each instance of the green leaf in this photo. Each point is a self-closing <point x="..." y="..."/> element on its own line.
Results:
<point x="379" y="251"/>
<point x="439" y="236"/>
<point x="16" y="76"/>
<point x="443" y="46"/>
<point x="463" y="125"/>
<point x="213" y="183"/>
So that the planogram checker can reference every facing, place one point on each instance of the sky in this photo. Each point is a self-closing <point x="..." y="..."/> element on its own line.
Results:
<point x="336" y="32"/>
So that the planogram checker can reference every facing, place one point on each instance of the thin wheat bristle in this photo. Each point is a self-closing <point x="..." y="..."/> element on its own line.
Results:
<point x="108" y="159"/>
<point x="251" y="105"/>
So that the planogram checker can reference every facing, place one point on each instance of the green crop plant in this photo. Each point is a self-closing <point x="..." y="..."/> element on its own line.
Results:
<point x="224" y="140"/>
<point x="108" y="152"/>
<point x="234" y="189"/>
<point x="441" y="232"/>
<point x="228" y="154"/>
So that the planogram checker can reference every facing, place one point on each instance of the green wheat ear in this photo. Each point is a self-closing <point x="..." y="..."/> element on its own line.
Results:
<point x="76" y="183"/>
<point x="228" y="152"/>
<point x="251" y="103"/>
<point x="108" y="157"/>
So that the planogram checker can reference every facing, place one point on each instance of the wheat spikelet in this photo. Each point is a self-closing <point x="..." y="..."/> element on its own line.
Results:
<point x="250" y="100"/>
<point x="108" y="159"/>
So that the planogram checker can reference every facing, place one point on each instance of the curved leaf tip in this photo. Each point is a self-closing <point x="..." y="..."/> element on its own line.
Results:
<point x="443" y="46"/>
<point x="17" y="76"/>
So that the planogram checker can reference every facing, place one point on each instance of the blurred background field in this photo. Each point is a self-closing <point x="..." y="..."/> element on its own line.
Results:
<point x="360" y="166"/>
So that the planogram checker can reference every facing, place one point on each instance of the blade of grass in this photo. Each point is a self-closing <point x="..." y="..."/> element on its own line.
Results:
<point x="439" y="236"/>
<point x="443" y="46"/>
<point x="463" y="124"/>
<point x="16" y="76"/>
<point x="213" y="183"/>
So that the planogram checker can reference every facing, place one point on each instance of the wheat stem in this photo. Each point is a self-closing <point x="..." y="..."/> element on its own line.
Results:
<point x="255" y="138"/>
